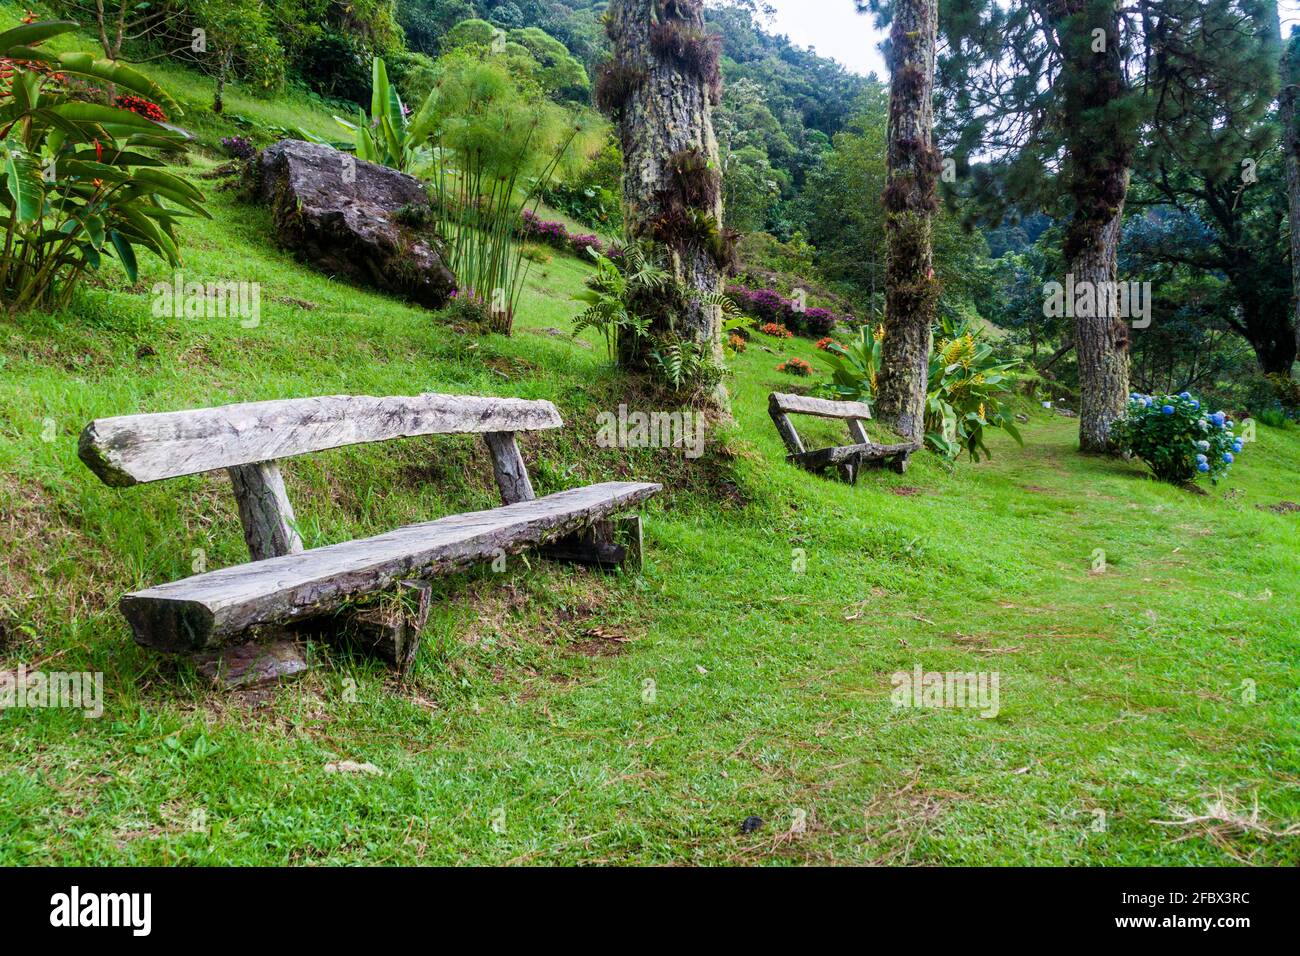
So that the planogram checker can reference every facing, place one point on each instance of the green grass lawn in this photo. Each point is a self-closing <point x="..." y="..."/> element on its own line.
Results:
<point x="557" y="715"/>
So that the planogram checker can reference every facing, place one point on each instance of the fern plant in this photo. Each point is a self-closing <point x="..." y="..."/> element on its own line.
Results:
<point x="615" y="298"/>
<point x="611" y="291"/>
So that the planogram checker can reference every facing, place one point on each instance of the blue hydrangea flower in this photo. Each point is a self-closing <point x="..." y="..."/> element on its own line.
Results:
<point x="1218" y="418"/>
<point x="1200" y="458"/>
<point x="1195" y="405"/>
<point x="1227" y="457"/>
<point x="1185" y="396"/>
<point x="1203" y="466"/>
<point x="1203" y="445"/>
<point x="1236" y="446"/>
<point x="1168" y="409"/>
<point x="1228" y="424"/>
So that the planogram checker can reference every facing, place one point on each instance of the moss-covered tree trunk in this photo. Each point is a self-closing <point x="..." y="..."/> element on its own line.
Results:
<point x="1099" y="146"/>
<point x="910" y="201"/>
<point x="1286" y="107"/>
<point x="660" y="88"/>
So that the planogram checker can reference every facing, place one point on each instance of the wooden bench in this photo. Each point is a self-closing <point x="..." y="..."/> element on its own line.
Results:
<point x="283" y="583"/>
<point x="848" y="459"/>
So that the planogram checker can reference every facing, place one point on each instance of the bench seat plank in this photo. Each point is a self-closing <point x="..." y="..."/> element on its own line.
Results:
<point x="824" y="457"/>
<point x="206" y="610"/>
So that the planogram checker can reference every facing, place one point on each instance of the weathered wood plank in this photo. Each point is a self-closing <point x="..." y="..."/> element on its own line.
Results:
<point x="784" y="427"/>
<point x="257" y="662"/>
<point x="824" y="457"/>
<point x="264" y="510"/>
<point x="509" y="468"/>
<point x="132" y="449"/>
<point x="858" y="432"/>
<point x="207" y="609"/>
<point x="820" y="407"/>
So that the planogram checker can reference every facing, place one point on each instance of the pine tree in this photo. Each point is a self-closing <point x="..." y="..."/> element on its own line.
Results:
<point x="911" y="201"/>
<point x="1060" y="93"/>
<point x="1289" y="76"/>
<point x="660" y="88"/>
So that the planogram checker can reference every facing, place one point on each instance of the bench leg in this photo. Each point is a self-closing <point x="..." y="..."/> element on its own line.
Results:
<point x="899" y="463"/>
<point x="388" y="627"/>
<point x="609" y="543"/>
<point x="269" y="658"/>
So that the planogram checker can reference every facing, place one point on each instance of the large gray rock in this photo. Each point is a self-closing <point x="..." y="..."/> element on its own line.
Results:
<point x="337" y="212"/>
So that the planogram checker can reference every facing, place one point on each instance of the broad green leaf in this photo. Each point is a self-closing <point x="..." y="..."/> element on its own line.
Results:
<point x="105" y="116"/>
<point x="119" y="74"/>
<point x="125" y="254"/>
<point x="378" y="88"/>
<point x="28" y="33"/>
<point x="23" y="178"/>
<point x="157" y="177"/>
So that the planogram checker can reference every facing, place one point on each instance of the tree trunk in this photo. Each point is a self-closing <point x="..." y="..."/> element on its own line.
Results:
<point x="666" y="78"/>
<point x="219" y="93"/>
<point x="1101" y="341"/>
<point x="910" y="200"/>
<point x="1286" y="102"/>
<point x="1100" y="142"/>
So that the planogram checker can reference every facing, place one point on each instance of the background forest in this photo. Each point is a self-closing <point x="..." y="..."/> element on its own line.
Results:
<point x="797" y="134"/>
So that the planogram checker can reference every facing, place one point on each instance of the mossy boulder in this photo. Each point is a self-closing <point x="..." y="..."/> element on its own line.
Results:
<point x="340" y="214"/>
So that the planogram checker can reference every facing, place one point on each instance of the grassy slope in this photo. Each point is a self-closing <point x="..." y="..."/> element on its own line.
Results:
<point x="1119" y="691"/>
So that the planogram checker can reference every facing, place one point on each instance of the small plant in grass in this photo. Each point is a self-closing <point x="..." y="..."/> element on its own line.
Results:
<point x="466" y="306"/>
<point x="795" y="366"/>
<point x="824" y="343"/>
<point x="240" y="147"/>
<point x="737" y="343"/>
<point x="776" y="331"/>
<point x="1179" y="441"/>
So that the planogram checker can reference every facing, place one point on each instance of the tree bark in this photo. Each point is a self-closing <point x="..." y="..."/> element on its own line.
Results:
<point x="1099" y="152"/>
<point x="672" y="189"/>
<point x="1101" y="342"/>
<point x="910" y="200"/>
<point x="1286" y="103"/>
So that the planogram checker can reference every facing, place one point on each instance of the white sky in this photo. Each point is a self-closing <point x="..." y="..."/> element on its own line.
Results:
<point x="835" y="30"/>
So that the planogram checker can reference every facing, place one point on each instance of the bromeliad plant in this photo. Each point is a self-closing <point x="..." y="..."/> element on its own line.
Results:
<point x="78" y="180"/>
<point x="967" y="388"/>
<point x="1177" y="439"/>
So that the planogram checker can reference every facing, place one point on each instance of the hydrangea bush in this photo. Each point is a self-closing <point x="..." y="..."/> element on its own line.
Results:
<point x="1178" y="439"/>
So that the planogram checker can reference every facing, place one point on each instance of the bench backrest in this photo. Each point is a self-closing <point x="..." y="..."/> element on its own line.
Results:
<point x="249" y="439"/>
<point x="134" y="449"/>
<point x="821" y="407"/>
<point x="781" y="406"/>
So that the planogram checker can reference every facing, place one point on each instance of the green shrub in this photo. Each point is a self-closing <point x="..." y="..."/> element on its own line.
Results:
<point x="1176" y="438"/>
<point x="79" y="181"/>
<point x="967" y="392"/>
